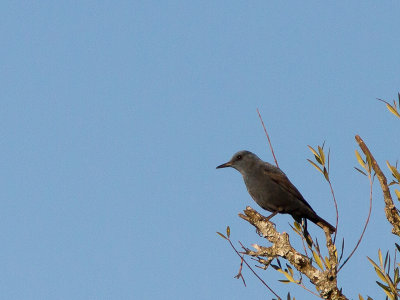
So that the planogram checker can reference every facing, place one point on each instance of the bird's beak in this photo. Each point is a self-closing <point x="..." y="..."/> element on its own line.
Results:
<point x="225" y="165"/>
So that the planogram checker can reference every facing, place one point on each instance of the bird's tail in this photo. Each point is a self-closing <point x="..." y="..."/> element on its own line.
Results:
<point x="323" y="224"/>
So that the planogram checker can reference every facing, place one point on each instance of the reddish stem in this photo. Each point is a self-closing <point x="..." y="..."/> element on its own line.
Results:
<point x="269" y="141"/>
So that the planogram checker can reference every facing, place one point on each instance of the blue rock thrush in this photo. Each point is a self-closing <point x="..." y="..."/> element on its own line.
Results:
<point x="272" y="190"/>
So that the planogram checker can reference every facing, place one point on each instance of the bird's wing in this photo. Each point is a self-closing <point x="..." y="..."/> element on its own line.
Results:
<point x="281" y="179"/>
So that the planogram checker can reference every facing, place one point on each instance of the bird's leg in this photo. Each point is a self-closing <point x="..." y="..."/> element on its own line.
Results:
<point x="271" y="215"/>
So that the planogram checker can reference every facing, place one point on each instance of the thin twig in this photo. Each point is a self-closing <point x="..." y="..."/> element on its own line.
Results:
<point x="302" y="237"/>
<point x="251" y="269"/>
<point x="365" y="226"/>
<point x="239" y="274"/>
<point x="316" y="246"/>
<point x="269" y="141"/>
<point x="329" y="154"/>
<point x="308" y="290"/>
<point x="383" y="101"/>
<point x="304" y="245"/>
<point x="334" y="198"/>
<point x="336" y="208"/>
<point x="342" y="252"/>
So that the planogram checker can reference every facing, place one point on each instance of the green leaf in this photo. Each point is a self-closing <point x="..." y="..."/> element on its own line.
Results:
<point x="373" y="263"/>
<point x="312" y="150"/>
<point x="392" y="110"/>
<point x="317" y="245"/>
<point x="380" y="258"/>
<point x="296" y="230"/>
<point x="398" y="94"/>
<point x="228" y="231"/>
<point x="381" y="275"/>
<point x="279" y="263"/>
<point x="284" y="281"/>
<point x="389" y="166"/>
<point x="341" y="251"/>
<point x="287" y="275"/>
<point x="386" y="290"/>
<point x="396" y="174"/>
<point x="362" y="172"/>
<point x="327" y="262"/>
<point x="386" y="260"/>
<point x="315" y="165"/>
<point x="318" y="159"/>
<point x="369" y="161"/>
<point x="360" y="160"/>
<point x="318" y="260"/>
<point x="297" y="225"/>
<point x="394" y="171"/>
<point x="275" y="267"/>
<point x="321" y="155"/>
<point x="397" y="193"/>
<point x="222" y="235"/>
<point x="290" y="269"/>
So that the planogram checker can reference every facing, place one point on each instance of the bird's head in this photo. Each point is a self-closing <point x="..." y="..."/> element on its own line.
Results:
<point x="242" y="161"/>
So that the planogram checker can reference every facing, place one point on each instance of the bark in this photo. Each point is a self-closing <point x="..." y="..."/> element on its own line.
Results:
<point x="391" y="211"/>
<point x="324" y="280"/>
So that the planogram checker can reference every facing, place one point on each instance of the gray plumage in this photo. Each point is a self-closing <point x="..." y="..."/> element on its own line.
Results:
<point x="272" y="190"/>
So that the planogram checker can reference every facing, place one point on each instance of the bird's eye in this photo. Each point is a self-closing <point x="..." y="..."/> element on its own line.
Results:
<point x="238" y="157"/>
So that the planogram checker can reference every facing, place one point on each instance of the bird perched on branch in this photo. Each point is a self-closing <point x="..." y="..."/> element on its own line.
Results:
<point x="272" y="190"/>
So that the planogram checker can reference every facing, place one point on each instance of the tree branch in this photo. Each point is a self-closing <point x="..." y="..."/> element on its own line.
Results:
<point x="390" y="209"/>
<point x="325" y="281"/>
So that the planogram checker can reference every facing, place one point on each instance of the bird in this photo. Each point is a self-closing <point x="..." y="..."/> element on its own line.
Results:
<point x="271" y="189"/>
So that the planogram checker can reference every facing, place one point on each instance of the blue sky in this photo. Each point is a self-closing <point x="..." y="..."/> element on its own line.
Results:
<point x="114" y="115"/>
